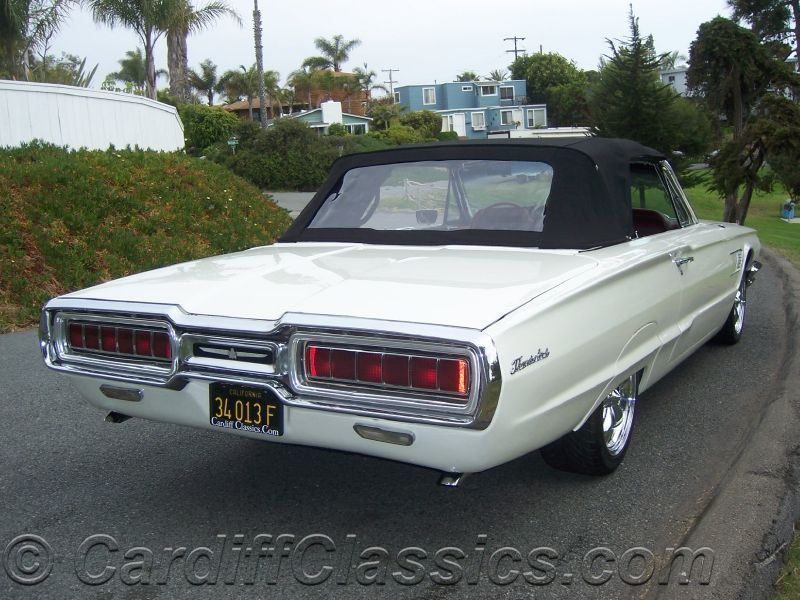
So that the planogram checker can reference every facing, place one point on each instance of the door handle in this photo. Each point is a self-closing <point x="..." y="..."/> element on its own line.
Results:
<point x="682" y="260"/>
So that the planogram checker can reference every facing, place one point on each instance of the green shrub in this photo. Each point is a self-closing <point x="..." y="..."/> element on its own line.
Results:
<point x="205" y="125"/>
<point x="337" y="129"/>
<point x="74" y="219"/>
<point x="447" y="136"/>
<point x="397" y="135"/>
<point x="426" y="122"/>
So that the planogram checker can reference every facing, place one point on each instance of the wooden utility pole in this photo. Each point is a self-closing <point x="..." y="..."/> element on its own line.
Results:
<point x="391" y="81"/>
<point x="516" y="50"/>
<point x="262" y="94"/>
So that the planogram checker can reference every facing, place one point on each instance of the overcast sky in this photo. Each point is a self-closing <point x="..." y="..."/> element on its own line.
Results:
<point x="427" y="40"/>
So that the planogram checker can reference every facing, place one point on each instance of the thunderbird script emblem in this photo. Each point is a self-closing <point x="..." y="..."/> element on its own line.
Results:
<point x="521" y="363"/>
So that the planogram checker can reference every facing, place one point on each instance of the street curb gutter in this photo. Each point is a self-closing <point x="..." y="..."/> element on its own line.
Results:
<point x="749" y="522"/>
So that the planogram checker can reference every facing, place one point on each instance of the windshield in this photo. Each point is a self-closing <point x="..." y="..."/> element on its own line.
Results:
<point x="440" y="195"/>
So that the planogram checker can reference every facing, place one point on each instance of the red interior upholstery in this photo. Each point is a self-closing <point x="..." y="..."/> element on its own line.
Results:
<point x="650" y="222"/>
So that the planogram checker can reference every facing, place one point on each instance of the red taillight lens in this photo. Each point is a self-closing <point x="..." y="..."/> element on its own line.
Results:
<point x="161" y="345"/>
<point x="108" y="339"/>
<point x="142" y="343"/>
<point x="423" y="373"/>
<point x="450" y="375"/>
<point x="318" y="362"/>
<point x="369" y="367"/>
<point x="91" y="336"/>
<point x="395" y="369"/>
<point x="343" y="364"/>
<point x="76" y="335"/>
<point x="453" y="376"/>
<point x="125" y="341"/>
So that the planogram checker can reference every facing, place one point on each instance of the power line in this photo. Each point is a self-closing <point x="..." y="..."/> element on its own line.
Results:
<point x="516" y="50"/>
<point x="392" y="80"/>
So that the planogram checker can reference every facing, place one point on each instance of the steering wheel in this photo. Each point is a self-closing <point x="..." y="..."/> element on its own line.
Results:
<point x="509" y="210"/>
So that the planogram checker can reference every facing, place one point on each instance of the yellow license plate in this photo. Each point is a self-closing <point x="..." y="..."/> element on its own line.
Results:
<point x="245" y="408"/>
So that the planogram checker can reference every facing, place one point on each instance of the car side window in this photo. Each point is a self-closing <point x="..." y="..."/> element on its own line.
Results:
<point x="684" y="211"/>
<point x="651" y="201"/>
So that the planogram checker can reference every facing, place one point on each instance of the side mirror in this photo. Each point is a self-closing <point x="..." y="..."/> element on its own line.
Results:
<point x="427" y="217"/>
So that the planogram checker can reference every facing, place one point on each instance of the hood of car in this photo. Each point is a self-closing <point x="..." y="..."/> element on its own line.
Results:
<point x="454" y="285"/>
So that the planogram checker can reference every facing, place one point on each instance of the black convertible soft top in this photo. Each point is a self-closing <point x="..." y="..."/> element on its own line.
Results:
<point x="589" y="204"/>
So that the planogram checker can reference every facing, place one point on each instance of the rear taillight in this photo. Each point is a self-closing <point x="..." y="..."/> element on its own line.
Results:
<point x="409" y="371"/>
<point x="119" y="340"/>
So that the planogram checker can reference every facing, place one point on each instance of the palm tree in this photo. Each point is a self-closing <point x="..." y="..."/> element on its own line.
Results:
<point x="205" y="81"/>
<point x="132" y="69"/>
<point x="467" y="76"/>
<point x="334" y="52"/>
<point x="26" y="27"/>
<point x="302" y="80"/>
<point x="498" y="75"/>
<point x="187" y="21"/>
<point x="242" y="83"/>
<point x="366" y="79"/>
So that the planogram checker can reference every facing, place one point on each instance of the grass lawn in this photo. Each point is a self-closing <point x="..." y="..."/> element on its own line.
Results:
<point x="783" y="238"/>
<point x="764" y="216"/>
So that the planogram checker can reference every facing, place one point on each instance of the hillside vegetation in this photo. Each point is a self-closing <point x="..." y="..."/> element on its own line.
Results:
<point x="74" y="219"/>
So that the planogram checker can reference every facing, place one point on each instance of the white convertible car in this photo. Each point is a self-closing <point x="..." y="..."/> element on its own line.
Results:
<point x="453" y="306"/>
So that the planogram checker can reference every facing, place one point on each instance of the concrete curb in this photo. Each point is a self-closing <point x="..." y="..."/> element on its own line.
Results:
<point x="750" y="518"/>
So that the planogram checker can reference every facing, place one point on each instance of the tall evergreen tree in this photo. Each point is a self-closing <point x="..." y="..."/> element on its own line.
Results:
<point x="629" y="100"/>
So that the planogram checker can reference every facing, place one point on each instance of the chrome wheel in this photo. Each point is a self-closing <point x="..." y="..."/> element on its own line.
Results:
<point x="618" y="416"/>
<point x="739" y="306"/>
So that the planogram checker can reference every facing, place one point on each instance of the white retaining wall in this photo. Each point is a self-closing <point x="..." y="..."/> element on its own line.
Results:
<point x="84" y="118"/>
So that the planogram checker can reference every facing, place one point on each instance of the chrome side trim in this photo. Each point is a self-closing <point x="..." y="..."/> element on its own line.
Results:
<point x="275" y="336"/>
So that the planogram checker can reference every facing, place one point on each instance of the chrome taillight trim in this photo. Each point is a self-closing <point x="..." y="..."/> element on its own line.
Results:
<point x="382" y="395"/>
<point x="104" y="361"/>
<point x="484" y="363"/>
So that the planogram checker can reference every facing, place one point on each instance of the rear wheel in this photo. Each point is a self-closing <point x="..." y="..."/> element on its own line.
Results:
<point x="599" y="446"/>
<point x="731" y="332"/>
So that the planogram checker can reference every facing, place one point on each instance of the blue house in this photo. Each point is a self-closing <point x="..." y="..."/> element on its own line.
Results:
<point x="475" y="109"/>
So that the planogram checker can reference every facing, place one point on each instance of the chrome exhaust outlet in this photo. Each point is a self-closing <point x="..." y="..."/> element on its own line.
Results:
<point x="452" y="479"/>
<point x="115" y="417"/>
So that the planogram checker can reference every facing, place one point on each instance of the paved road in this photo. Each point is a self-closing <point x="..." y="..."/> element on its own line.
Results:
<point x="294" y="202"/>
<point x="67" y="476"/>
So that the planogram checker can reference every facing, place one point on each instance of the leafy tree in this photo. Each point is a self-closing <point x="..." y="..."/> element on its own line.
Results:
<point x="205" y="125"/>
<point x="467" y="76"/>
<point x="205" y="81"/>
<point x="772" y="20"/>
<point x="497" y="75"/>
<point x="544" y="71"/>
<point x="26" y="28"/>
<point x="426" y="122"/>
<point x="629" y="99"/>
<point x="188" y="20"/>
<point x="333" y="52"/>
<point x="733" y="73"/>
<point x="68" y="70"/>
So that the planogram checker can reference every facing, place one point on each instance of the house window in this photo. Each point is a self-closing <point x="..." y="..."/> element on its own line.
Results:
<point x="466" y="88"/>
<point x="429" y="95"/>
<point x="397" y="97"/>
<point x="506" y="117"/>
<point x="448" y="123"/>
<point x="478" y="120"/>
<point x="357" y="128"/>
<point x="488" y="90"/>
<point x="536" y="117"/>
<point x="671" y="78"/>
<point x="506" y="92"/>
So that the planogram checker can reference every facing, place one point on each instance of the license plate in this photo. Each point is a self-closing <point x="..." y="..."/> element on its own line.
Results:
<point x="245" y="408"/>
